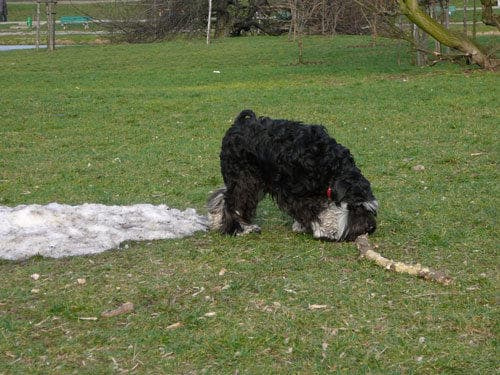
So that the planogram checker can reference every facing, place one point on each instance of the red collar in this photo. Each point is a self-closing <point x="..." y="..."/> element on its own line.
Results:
<point x="329" y="192"/>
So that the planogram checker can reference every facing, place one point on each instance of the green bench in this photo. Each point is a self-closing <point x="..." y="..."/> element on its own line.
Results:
<point x="74" y="20"/>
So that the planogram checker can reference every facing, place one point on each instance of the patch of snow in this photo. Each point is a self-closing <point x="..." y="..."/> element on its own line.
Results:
<point x="58" y="230"/>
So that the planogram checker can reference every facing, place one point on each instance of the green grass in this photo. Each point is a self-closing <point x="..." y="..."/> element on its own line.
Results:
<point x="143" y="123"/>
<point x="89" y="39"/>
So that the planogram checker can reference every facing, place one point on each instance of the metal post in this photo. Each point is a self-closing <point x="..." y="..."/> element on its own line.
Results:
<point x="209" y="20"/>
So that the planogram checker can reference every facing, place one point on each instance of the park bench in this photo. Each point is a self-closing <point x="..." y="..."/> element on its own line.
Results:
<point x="74" y="20"/>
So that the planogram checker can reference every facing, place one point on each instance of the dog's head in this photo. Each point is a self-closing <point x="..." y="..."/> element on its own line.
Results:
<point x="353" y="207"/>
<point x="360" y="220"/>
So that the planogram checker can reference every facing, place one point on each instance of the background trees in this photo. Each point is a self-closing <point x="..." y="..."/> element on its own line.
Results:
<point x="151" y="20"/>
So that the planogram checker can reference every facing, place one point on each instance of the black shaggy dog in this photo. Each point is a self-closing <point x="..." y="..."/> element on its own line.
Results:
<point x="309" y="175"/>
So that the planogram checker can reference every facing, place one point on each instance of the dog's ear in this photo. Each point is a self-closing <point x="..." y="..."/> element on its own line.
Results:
<point x="247" y="114"/>
<point x="340" y="189"/>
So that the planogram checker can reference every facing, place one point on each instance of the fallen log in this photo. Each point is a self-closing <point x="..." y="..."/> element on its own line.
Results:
<point x="366" y="250"/>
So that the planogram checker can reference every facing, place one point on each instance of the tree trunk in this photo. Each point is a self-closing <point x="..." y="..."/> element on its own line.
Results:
<point x="411" y="9"/>
<point x="488" y="17"/>
<point x="222" y="20"/>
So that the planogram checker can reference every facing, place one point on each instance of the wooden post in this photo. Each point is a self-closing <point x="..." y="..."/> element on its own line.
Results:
<point x="474" y="17"/>
<point x="418" y="36"/>
<point x="447" y="20"/>
<point x="209" y="20"/>
<point x="37" y="25"/>
<point x="401" y="27"/>
<point x="374" y="28"/>
<point x="293" y="22"/>
<point x="155" y="19"/>
<point x="465" y="17"/>
<point x="48" y="12"/>
<point x="323" y="16"/>
<point x="424" y="40"/>
<point x="51" y="24"/>
<point x="435" y="16"/>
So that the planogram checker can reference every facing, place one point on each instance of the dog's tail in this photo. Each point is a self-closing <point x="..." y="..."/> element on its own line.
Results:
<point x="244" y="116"/>
<point x="215" y="208"/>
<point x="219" y="217"/>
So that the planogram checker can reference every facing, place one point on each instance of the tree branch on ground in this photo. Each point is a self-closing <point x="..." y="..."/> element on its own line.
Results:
<point x="367" y="251"/>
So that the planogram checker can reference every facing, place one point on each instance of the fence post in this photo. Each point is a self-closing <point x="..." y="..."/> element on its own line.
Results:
<point x="51" y="24"/>
<point x="446" y="11"/>
<point x="37" y="25"/>
<point x="465" y="17"/>
<point x="474" y="17"/>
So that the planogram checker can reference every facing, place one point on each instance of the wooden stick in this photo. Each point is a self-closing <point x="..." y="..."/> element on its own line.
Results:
<point x="366" y="251"/>
<point x="123" y="309"/>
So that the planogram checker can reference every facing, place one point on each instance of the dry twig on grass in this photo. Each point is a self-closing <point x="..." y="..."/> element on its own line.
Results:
<point x="123" y="309"/>
<point x="367" y="251"/>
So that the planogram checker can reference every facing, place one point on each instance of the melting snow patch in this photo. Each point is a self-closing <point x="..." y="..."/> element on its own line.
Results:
<point x="59" y="230"/>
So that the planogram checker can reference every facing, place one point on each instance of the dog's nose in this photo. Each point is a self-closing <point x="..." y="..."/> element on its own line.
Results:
<point x="371" y="229"/>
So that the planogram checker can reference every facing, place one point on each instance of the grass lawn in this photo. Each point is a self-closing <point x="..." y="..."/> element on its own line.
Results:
<point x="143" y="123"/>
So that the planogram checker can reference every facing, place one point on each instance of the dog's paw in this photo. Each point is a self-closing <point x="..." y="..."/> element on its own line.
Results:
<point x="248" y="228"/>
<point x="298" y="228"/>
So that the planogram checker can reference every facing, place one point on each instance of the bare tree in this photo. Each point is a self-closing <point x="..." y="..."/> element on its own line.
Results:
<point x="330" y="17"/>
<point x="150" y="20"/>
<point x="303" y="12"/>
